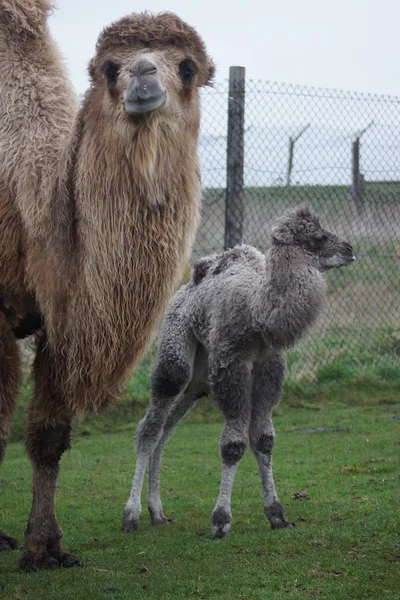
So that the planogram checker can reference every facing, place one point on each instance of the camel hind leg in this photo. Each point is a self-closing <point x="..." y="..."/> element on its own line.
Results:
<point x="9" y="381"/>
<point x="178" y="411"/>
<point x="170" y="378"/>
<point x="231" y="383"/>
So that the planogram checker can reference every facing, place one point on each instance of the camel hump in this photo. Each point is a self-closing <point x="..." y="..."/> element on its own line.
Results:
<point x="227" y="259"/>
<point x="201" y="267"/>
<point x="219" y="263"/>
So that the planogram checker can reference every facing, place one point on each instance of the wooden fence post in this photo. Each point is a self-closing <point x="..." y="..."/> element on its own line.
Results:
<point x="235" y="158"/>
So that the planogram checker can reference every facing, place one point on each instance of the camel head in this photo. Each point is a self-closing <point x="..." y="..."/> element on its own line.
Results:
<point x="147" y="65"/>
<point x="301" y="227"/>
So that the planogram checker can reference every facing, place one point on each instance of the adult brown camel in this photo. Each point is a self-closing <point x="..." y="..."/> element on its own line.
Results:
<point x="98" y="209"/>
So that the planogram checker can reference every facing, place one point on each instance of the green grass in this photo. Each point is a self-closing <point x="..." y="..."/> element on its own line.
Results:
<point x="342" y="384"/>
<point x="346" y="544"/>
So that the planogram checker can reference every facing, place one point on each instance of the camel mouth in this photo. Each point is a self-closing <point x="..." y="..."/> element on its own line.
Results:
<point x="337" y="261"/>
<point x="344" y="259"/>
<point x="144" y="94"/>
<point x="140" y="106"/>
<point x="349" y="258"/>
<point x="346" y="256"/>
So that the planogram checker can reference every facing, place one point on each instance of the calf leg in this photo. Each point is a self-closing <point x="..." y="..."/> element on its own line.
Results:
<point x="169" y="380"/>
<point x="232" y="389"/>
<point x="178" y="411"/>
<point x="9" y="379"/>
<point x="267" y="383"/>
<point x="47" y="437"/>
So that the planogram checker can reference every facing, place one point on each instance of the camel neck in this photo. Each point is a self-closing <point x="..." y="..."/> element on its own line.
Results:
<point x="129" y="230"/>
<point x="291" y="295"/>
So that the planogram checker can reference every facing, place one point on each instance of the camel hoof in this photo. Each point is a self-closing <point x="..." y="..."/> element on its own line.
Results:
<point x="162" y="520"/>
<point x="30" y="563"/>
<point x="7" y="542"/>
<point x="276" y="516"/>
<point x="218" y="533"/>
<point x="68" y="560"/>
<point x="221" y="521"/>
<point x="130" y="524"/>
<point x="280" y="524"/>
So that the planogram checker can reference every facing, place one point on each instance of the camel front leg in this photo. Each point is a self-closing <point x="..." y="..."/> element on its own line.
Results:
<point x="47" y="437"/>
<point x="267" y="384"/>
<point x="45" y="445"/>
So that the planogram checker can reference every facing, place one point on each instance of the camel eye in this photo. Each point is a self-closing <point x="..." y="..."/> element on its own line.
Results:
<point x="187" y="71"/>
<point x="319" y="239"/>
<point x="111" y="71"/>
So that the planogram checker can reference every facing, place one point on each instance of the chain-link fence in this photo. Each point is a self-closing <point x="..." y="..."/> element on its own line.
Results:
<point x="339" y="152"/>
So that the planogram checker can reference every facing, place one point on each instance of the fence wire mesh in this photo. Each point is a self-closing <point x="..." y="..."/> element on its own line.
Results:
<point x="340" y="153"/>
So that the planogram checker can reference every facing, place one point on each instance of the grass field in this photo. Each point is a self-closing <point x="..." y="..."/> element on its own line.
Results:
<point x="337" y="439"/>
<point x="346" y="544"/>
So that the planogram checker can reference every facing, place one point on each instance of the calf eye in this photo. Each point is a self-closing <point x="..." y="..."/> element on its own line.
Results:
<point x="187" y="70"/>
<point x="111" y="71"/>
<point x="319" y="239"/>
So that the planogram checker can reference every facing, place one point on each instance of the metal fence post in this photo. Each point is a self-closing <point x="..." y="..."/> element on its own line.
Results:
<point x="292" y="142"/>
<point x="355" y="172"/>
<point x="358" y="181"/>
<point x="235" y="158"/>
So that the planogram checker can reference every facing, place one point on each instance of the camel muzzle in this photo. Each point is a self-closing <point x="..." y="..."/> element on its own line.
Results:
<point x="342" y="259"/>
<point x="348" y="254"/>
<point x="145" y="92"/>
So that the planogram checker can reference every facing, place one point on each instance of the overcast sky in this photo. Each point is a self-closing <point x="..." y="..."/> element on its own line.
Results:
<point x="346" y="44"/>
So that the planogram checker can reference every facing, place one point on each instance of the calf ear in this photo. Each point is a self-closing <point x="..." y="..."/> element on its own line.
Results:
<point x="281" y="233"/>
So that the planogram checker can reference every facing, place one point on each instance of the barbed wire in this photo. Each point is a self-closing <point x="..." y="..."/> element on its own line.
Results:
<point x="346" y="165"/>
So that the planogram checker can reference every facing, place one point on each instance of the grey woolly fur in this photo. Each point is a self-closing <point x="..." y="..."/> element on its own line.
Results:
<point x="225" y="332"/>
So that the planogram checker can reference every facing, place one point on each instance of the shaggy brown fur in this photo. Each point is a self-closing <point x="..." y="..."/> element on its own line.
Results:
<point x="98" y="209"/>
<point x="27" y="18"/>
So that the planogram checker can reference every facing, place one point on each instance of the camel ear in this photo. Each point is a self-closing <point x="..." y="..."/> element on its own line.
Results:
<point x="211" y="72"/>
<point x="91" y="69"/>
<point x="282" y="233"/>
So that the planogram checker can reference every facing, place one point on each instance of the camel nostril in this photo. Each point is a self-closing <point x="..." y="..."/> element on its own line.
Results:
<point x="143" y="67"/>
